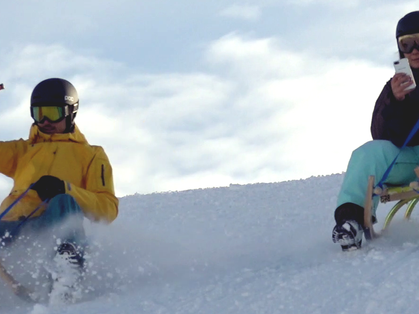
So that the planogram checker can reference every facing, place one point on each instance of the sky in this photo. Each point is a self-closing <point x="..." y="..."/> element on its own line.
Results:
<point x="208" y="93"/>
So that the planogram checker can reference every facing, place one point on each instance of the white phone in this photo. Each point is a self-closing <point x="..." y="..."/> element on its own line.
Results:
<point x="402" y="66"/>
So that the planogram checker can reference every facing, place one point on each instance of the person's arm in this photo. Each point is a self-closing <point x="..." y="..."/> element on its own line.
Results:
<point x="392" y="119"/>
<point x="378" y="123"/>
<point x="97" y="200"/>
<point x="10" y="152"/>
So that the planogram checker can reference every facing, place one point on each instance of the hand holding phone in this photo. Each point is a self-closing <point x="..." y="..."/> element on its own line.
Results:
<point x="402" y="66"/>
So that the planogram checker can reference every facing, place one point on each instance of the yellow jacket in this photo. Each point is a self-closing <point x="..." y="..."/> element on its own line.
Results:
<point x="85" y="170"/>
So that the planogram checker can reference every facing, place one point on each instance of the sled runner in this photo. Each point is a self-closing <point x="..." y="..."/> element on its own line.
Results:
<point x="405" y="195"/>
<point x="17" y="288"/>
<point x="62" y="288"/>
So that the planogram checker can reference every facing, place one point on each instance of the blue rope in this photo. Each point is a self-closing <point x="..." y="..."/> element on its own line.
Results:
<point x="30" y="215"/>
<point x="15" y="202"/>
<point x="409" y="137"/>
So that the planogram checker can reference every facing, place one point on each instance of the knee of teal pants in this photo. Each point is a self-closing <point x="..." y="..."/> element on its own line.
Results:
<point x="60" y="208"/>
<point x="374" y="158"/>
<point x="62" y="219"/>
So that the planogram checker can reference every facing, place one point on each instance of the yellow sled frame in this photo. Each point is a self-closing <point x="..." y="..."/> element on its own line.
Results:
<point x="405" y="195"/>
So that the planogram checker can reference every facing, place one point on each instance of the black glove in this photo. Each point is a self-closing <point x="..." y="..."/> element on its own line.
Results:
<point x="48" y="187"/>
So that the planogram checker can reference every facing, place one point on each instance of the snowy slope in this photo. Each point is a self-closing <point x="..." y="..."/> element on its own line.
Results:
<point x="262" y="248"/>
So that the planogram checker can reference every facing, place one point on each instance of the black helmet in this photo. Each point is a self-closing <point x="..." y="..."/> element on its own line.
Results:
<point x="408" y="24"/>
<point x="57" y="92"/>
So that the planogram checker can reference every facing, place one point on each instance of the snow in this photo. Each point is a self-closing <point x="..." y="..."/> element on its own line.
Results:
<point x="260" y="248"/>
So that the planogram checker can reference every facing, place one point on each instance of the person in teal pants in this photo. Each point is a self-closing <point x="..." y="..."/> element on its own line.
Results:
<point x="395" y="114"/>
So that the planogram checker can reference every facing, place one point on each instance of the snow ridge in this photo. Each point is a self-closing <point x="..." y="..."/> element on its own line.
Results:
<point x="259" y="248"/>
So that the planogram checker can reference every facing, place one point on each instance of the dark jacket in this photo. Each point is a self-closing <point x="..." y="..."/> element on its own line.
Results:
<point x="392" y="119"/>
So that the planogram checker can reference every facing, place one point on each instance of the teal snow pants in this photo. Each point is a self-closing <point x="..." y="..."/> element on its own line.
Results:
<point x="62" y="221"/>
<point x="374" y="158"/>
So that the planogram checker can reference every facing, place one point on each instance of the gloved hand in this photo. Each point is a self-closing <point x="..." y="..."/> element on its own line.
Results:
<point x="48" y="187"/>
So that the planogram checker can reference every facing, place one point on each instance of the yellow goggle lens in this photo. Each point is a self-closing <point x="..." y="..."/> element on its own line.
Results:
<point x="51" y="113"/>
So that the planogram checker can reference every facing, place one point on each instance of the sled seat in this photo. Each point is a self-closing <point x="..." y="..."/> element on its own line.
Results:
<point x="404" y="195"/>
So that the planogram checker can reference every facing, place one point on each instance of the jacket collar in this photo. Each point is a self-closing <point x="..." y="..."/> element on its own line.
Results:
<point x="36" y="136"/>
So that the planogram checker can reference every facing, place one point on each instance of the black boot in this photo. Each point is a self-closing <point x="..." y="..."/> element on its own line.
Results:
<point x="348" y="235"/>
<point x="348" y="231"/>
<point x="66" y="274"/>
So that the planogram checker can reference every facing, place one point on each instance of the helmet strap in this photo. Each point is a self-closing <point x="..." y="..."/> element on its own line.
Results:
<point x="69" y="122"/>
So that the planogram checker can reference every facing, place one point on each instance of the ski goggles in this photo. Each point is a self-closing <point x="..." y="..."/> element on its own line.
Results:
<point x="408" y="42"/>
<point x="50" y="113"/>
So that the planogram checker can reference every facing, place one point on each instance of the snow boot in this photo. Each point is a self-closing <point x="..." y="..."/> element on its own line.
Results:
<point x="348" y="235"/>
<point x="66" y="274"/>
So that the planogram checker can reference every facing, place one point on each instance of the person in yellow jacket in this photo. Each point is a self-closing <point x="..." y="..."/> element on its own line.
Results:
<point x="57" y="175"/>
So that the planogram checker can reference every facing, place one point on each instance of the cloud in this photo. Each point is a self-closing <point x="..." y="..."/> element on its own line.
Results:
<point x="150" y="125"/>
<point x="154" y="125"/>
<point x="328" y="104"/>
<point x="331" y="3"/>
<point x="256" y="112"/>
<point x="245" y="12"/>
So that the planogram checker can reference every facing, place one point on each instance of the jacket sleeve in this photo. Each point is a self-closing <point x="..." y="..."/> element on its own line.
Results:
<point x="378" y="123"/>
<point x="97" y="200"/>
<point x="392" y="120"/>
<point x="10" y="151"/>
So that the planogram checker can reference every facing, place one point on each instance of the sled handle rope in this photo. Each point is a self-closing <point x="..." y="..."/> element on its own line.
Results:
<point x="15" y="202"/>
<point x="387" y="172"/>
<point x="368" y="224"/>
<point x="30" y="215"/>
